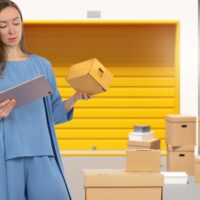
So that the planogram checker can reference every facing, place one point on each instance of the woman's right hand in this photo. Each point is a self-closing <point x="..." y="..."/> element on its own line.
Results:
<point x="6" y="107"/>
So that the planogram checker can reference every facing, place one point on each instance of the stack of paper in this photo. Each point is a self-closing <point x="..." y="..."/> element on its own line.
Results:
<point x="175" y="177"/>
<point x="139" y="136"/>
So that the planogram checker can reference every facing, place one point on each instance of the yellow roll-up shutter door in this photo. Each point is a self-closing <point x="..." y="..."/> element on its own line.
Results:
<point x="144" y="59"/>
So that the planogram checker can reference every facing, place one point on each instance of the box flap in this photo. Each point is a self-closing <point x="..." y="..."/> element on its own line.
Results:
<point x="182" y="148"/>
<point x="180" y="118"/>
<point x="121" y="178"/>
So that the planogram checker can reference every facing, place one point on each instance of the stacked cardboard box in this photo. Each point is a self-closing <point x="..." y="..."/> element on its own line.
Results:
<point x="197" y="169"/>
<point x="141" y="180"/>
<point x="180" y="137"/>
<point x="181" y="159"/>
<point x="143" y="138"/>
<point x="142" y="160"/>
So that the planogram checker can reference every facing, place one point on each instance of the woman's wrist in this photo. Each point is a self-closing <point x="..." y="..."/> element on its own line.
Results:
<point x="69" y="104"/>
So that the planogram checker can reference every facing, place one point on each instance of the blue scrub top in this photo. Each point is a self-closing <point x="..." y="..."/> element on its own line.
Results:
<point x="26" y="131"/>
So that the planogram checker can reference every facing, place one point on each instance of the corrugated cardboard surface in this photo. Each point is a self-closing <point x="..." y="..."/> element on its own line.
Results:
<point x="80" y="69"/>
<point x="121" y="185"/>
<point x="182" y="148"/>
<point x="89" y="76"/>
<point x="151" y="144"/>
<point x="123" y="193"/>
<point x="181" y="161"/>
<point x="180" y="118"/>
<point x="86" y="84"/>
<point x="141" y="160"/>
<point x="120" y="178"/>
<point x="197" y="169"/>
<point x="180" y="130"/>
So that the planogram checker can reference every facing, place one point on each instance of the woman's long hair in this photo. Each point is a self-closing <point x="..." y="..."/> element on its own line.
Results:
<point x="4" y="4"/>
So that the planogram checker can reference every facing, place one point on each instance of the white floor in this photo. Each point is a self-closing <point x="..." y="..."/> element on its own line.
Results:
<point x="74" y="166"/>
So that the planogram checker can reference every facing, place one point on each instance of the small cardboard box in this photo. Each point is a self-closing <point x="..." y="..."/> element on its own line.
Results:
<point x="121" y="185"/>
<point x="90" y="77"/>
<point x="142" y="160"/>
<point x="181" y="159"/>
<point x="197" y="169"/>
<point x="180" y="130"/>
<point x="149" y="144"/>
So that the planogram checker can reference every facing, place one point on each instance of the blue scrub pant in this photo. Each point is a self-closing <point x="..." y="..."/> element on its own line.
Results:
<point x="35" y="178"/>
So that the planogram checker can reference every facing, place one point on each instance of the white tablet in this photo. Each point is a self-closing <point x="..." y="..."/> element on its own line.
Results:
<point x="27" y="91"/>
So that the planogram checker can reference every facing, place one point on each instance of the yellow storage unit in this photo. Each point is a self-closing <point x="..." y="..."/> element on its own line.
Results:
<point x="143" y="56"/>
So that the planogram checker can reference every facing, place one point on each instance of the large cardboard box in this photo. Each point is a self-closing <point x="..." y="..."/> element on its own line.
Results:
<point x="89" y="76"/>
<point x="197" y="169"/>
<point x="180" y="130"/>
<point x="122" y="185"/>
<point x="149" y="144"/>
<point x="180" y="159"/>
<point x="142" y="160"/>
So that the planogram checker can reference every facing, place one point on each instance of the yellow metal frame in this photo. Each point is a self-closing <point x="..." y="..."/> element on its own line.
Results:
<point x="177" y="67"/>
<point x="95" y="22"/>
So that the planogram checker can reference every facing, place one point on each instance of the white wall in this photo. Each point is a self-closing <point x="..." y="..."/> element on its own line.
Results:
<point x="184" y="10"/>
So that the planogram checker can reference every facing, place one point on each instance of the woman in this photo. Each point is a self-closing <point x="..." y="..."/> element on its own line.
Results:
<point x="30" y="162"/>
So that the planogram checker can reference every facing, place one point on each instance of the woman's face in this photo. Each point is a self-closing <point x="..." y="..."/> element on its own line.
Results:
<point x="10" y="27"/>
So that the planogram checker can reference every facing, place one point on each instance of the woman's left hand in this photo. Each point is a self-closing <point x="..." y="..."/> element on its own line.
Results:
<point x="69" y="104"/>
<point x="81" y="96"/>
